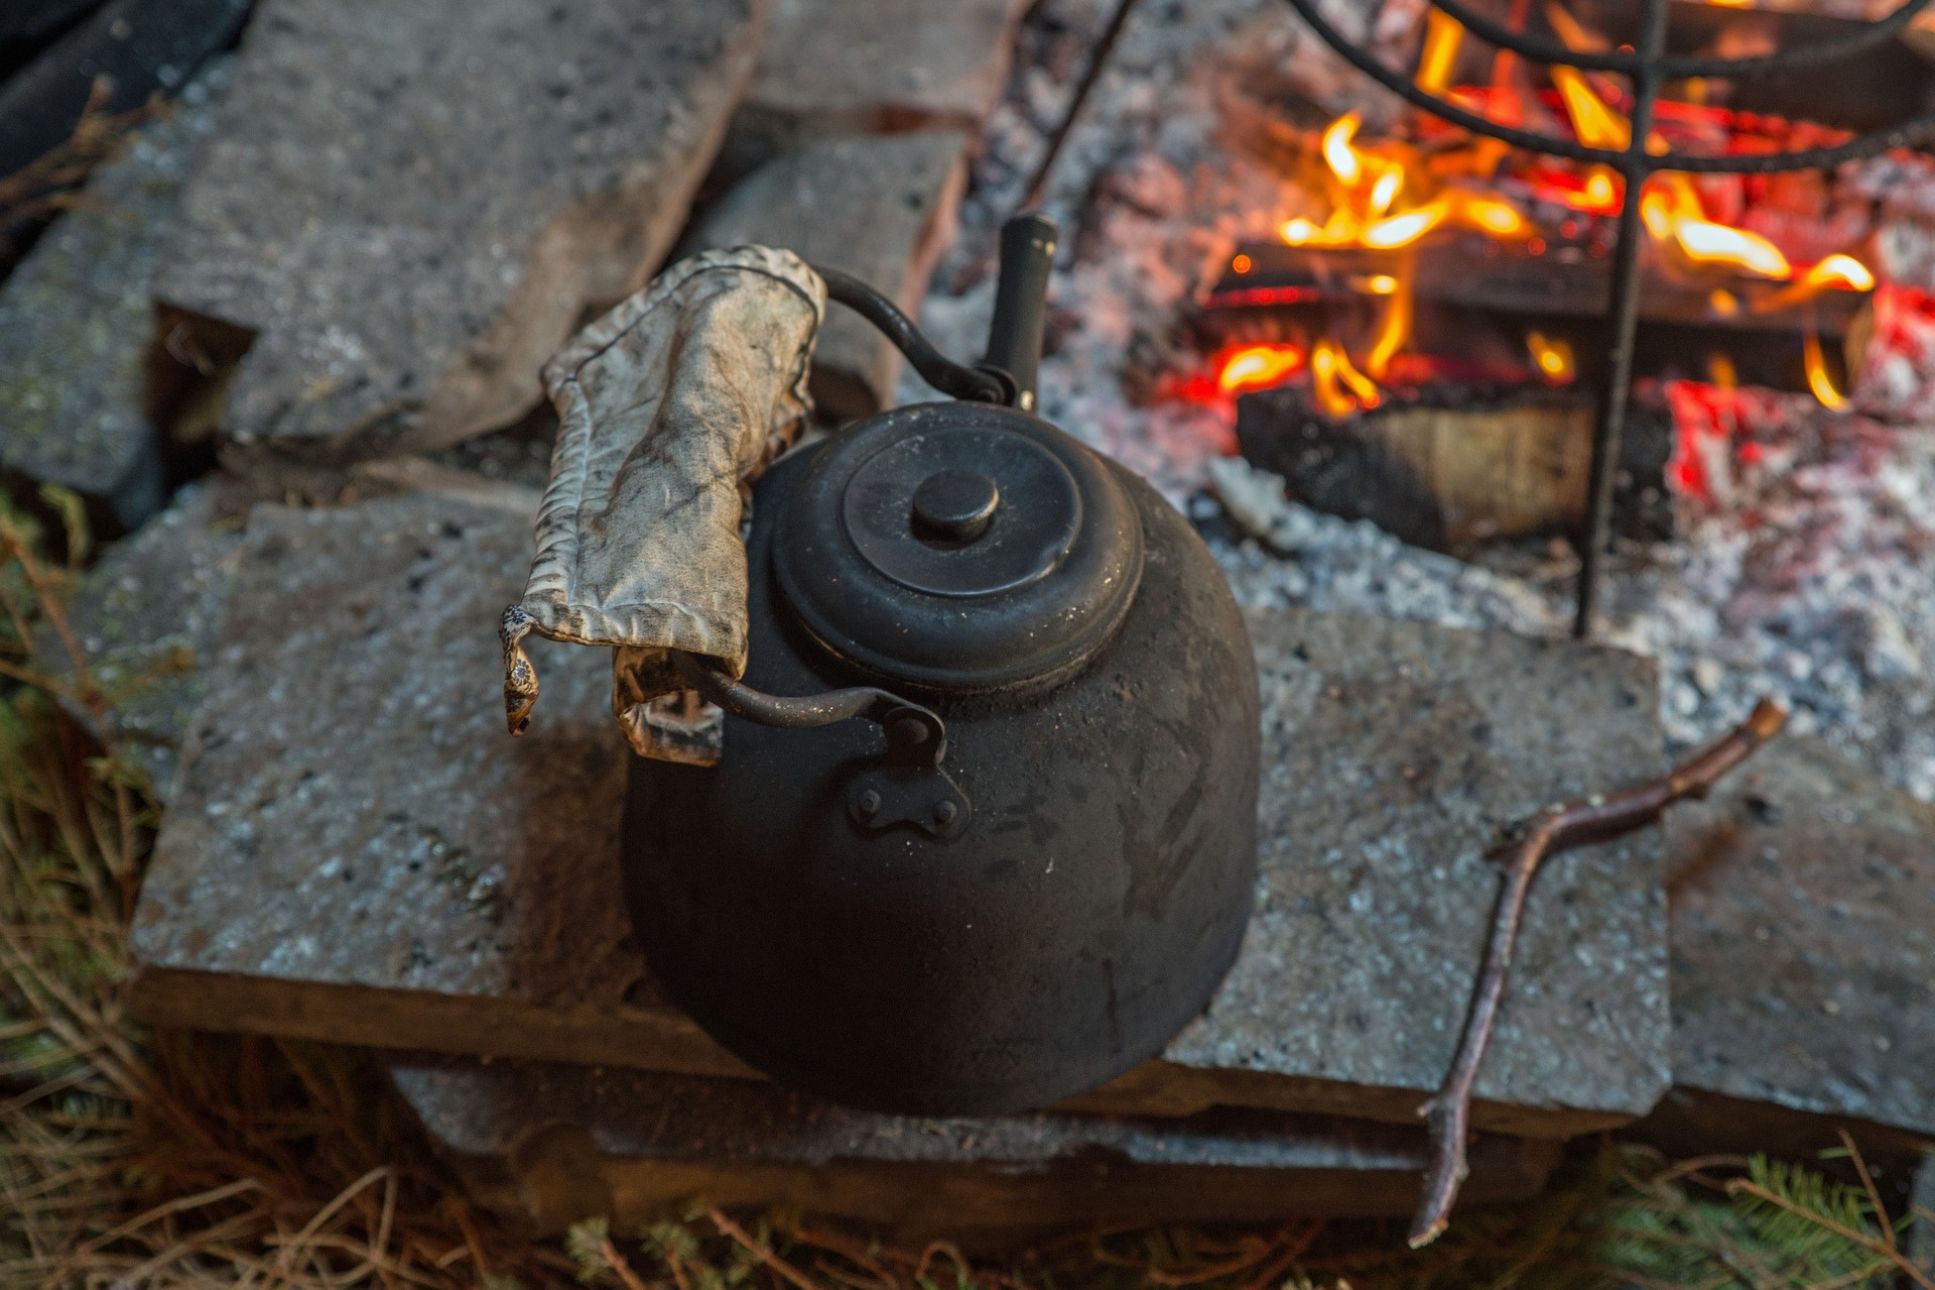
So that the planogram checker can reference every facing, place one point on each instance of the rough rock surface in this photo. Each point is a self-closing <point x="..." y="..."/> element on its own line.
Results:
<point x="411" y="213"/>
<point x="357" y="852"/>
<point x="1803" y="940"/>
<point x="878" y="207"/>
<point x="76" y="320"/>
<point x="1394" y="757"/>
<point x="147" y="617"/>
<point x="870" y="66"/>
<point x="559" y="1143"/>
<point x="352" y="814"/>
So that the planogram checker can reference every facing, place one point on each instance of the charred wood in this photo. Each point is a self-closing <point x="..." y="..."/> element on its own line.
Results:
<point x="1450" y="465"/>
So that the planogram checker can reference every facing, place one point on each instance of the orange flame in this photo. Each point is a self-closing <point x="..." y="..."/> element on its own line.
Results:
<point x="1394" y="231"/>
<point x="1722" y="373"/>
<point x="1338" y="154"/>
<point x="1708" y="243"/>
<point x="1676" y="219"/>
<point x="1818" y="379"/>
<point x="1390" y="196"/>
<point x="1443" y="34"/>
<point x="1340" y="389"/>
<point x="1256" y="366"/>
<point x="1594" y="120"/>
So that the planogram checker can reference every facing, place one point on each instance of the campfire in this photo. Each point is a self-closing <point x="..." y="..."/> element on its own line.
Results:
<point x="1432" y="294"/>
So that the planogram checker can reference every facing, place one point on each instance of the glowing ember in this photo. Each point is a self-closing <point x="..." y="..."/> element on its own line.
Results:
<point x="1553" y="358"/>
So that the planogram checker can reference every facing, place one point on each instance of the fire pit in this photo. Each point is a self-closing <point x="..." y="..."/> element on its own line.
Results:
<point x="1176" y="339"/>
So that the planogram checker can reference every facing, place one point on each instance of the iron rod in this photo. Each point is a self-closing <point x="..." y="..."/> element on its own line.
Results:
<point x="1098" y="58"/>
<point x="1609" y="421"/>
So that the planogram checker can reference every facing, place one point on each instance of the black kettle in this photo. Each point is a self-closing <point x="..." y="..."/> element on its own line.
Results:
<point x="983" y="834"/>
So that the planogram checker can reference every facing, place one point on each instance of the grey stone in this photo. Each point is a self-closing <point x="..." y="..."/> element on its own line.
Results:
<point x="358" y="853"/>
<point x="872" y="66"/>
<point x="1803" y="941"/>
<point x="554" y="1144"/>
<point x="878" y="207"/>
<point x="410" y="209"/>
<point x="76" y="319"/>
<point x="146" y="617"/>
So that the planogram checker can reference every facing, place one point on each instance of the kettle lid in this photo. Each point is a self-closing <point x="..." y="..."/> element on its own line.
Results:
<point x="959" y="546"/>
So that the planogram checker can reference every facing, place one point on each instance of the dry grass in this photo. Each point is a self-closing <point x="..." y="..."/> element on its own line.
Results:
<point x="138" y="1160"/>
<point x="127" y="1160"/>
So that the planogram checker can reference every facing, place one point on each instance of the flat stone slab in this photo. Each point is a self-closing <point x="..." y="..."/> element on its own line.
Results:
<point x="553" y="1144"/>
<point x="146" y="615"/>
<point x="410" y="213"/>
<point x="77" y="319"/>
<point x="353" y="830"/>
<point x="878" y="207"/>
<point x="357" y="852"/>
<point x="1803" y="940"/>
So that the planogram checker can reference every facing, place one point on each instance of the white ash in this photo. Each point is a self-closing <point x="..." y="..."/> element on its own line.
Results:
<point x="1813" y="584"/>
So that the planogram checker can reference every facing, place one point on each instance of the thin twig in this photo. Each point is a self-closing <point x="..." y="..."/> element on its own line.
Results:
<point x="1556" y="829"/>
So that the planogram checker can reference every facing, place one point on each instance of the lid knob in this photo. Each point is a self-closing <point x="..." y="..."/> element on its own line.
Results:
<point x="955" y="505"/>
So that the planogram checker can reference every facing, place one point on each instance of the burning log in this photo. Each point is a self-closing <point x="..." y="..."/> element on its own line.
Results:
<point x="1449" y="465"/>
<point x="1471" y="291"/>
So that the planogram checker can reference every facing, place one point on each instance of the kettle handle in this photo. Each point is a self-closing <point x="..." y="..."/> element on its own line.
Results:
<point x="1007" y="376"/>
<point x="916" y="736"/>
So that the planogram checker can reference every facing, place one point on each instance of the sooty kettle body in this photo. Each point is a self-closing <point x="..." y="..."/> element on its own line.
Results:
<point x="1035" y="862"/>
